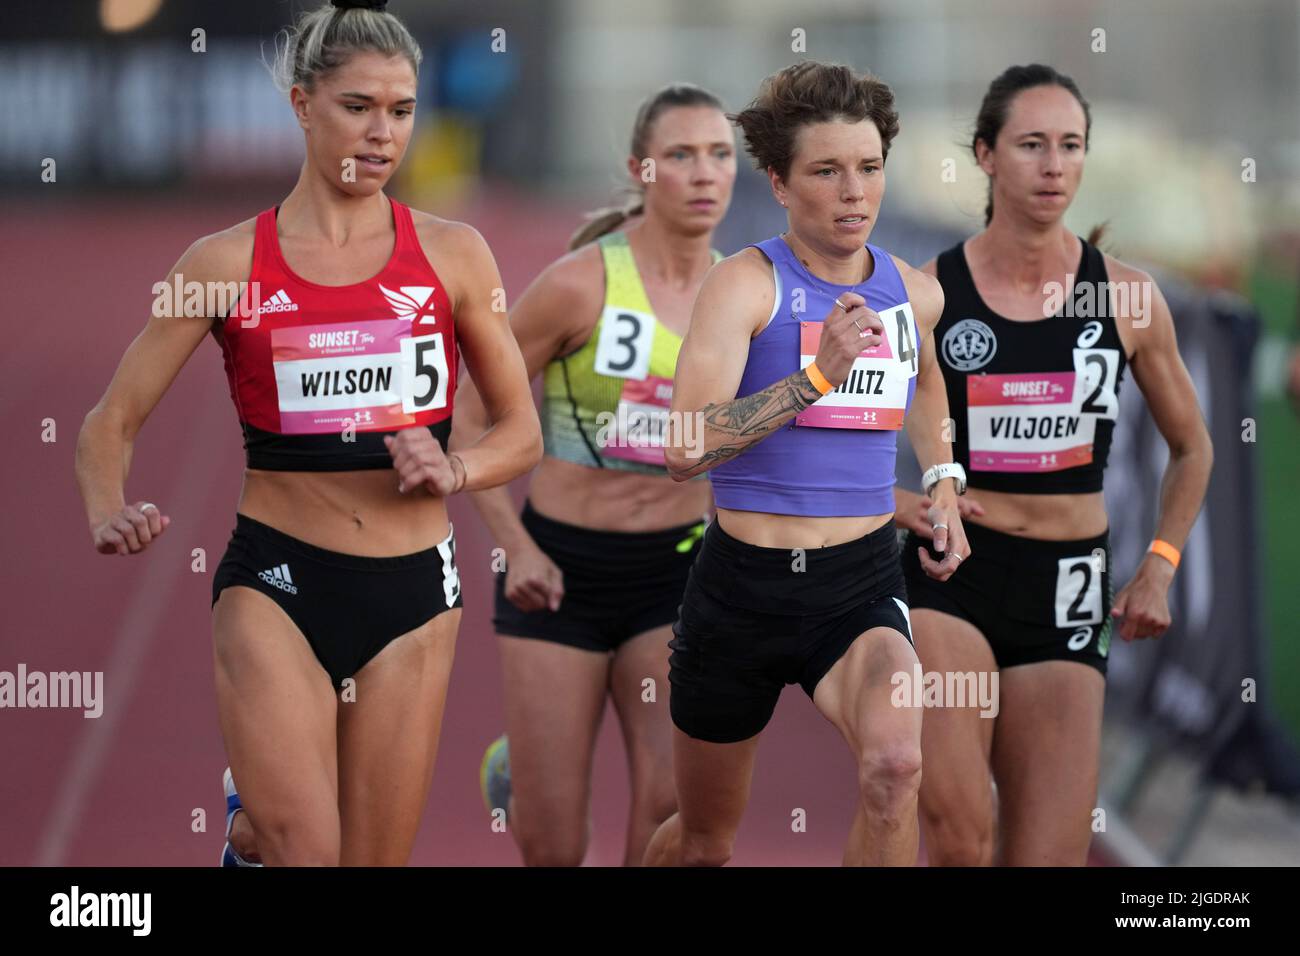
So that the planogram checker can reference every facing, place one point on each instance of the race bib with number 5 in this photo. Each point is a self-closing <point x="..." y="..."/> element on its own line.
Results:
<point x="371" y="375"/>
<point x="424" y="373"/>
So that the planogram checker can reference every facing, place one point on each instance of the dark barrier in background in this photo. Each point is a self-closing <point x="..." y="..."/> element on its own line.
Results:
<point x="1205" y="684"/>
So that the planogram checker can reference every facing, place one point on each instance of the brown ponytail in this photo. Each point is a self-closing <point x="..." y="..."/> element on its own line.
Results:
<point x="600" y="222"/>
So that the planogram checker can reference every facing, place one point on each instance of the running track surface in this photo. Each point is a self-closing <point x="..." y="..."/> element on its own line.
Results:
<point x="124" y="789"/>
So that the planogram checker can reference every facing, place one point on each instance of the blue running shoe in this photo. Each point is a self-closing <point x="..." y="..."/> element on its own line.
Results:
<point x="228" y="855"/>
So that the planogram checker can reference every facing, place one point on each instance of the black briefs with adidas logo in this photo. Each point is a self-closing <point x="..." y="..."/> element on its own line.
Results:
<point x="348" y="607"/>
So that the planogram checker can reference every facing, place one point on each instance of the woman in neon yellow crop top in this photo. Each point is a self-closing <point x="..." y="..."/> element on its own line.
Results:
<point x="596" y="563"/>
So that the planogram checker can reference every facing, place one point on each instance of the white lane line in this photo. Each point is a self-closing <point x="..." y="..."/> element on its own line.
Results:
<point x="189" y="496"/>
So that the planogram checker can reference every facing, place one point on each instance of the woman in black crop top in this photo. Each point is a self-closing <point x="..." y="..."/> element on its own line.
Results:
<point x="1038" y="330"/>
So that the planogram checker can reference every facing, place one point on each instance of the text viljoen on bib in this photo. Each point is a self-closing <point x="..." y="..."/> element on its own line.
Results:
<point x="1040" y="421"/>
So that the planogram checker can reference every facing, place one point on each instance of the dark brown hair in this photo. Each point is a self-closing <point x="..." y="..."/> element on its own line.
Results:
<point x="1013" y="81"/>
<point x="809" y="93"/>
<point x="606" y="220"/>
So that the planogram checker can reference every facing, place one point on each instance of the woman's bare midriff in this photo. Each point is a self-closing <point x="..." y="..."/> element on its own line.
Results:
<point x="352" y="512"/>
<point x="795" y="531"/>
<point x="1043" y="517"/>
<point x="608" y="500"/>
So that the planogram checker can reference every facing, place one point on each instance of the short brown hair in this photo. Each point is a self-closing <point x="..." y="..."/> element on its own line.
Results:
<point x="809" y="93"/>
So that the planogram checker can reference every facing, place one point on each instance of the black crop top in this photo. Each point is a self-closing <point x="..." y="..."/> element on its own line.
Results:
<point x="1034" y="402"/>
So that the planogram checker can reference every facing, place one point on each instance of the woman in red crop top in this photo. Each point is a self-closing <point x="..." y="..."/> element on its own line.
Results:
<point x="332" y="650"/>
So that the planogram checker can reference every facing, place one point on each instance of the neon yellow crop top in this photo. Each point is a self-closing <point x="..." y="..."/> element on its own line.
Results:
<point x="606" y="405"/>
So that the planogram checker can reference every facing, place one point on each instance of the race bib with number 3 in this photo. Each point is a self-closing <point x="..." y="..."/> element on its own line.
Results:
<point x="624" y="342"/>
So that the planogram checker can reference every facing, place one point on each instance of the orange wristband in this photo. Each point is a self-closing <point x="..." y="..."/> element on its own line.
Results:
<point x="1166" y="551"/>
<point x="820" y="382"/>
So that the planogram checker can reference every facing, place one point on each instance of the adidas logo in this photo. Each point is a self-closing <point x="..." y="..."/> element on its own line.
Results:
<point x="412" y="301"/>
<point x="278" y="577"/>
<point x="280" y="302"/>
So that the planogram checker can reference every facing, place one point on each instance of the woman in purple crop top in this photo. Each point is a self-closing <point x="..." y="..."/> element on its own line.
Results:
<point x="804" y="355"/>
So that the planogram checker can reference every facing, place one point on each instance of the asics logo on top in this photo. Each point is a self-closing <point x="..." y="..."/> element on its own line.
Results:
<point x="412" y="301"/>
<point x="1089" y="336"/>
<point x="280" y="302"/>
<point x="278" y="577"/>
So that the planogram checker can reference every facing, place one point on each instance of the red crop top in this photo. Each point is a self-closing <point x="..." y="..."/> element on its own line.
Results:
<point x="319" y="374"/>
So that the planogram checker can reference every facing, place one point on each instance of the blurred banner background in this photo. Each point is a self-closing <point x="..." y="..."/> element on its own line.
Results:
<point x="131" y="127"/>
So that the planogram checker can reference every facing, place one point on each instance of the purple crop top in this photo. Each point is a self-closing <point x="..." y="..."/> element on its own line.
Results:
<point x="816" y="471"/>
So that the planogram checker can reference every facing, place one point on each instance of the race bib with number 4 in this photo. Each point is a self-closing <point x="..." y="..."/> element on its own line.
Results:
<point x="874" y="396"/>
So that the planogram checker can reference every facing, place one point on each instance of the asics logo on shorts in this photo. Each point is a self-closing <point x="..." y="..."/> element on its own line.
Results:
<point x="280" y="302"/>
<point x="278" y="577"/>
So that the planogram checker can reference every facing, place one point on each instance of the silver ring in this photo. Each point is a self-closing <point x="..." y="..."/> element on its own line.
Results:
<point x="147" y="505"/>
<point x="856" y="326"/>
<point x="842" y="306"/>
<point x="955" y="555"/>
<point x="938" y="526"/>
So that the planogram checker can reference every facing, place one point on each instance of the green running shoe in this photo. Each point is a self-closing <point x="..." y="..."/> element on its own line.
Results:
<point x="494" y="775"/>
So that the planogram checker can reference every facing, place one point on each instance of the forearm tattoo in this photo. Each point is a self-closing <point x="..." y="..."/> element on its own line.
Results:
<point x="744" y="421"/>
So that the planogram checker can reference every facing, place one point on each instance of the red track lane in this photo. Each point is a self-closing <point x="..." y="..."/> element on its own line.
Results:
<point x="124" y="789"/>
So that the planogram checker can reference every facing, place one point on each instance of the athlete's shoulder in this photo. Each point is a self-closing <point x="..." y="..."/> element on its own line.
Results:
<point x="923" y="291"/>
<point x="746" y="266"/>
<point x="570" y="290"/>
<point x="746" y="277"/>
<point x="956" y="250"/>
<point x="459" y="255"/>
<point x="1119" y="271"/>
<point x="563" y="303"/>
<point x="578" y="271"/>
<point x="458" y="238"/>
<point x="223" y="255"/>
<point x="738" y="293"/>
<point x="1138" y="304"/>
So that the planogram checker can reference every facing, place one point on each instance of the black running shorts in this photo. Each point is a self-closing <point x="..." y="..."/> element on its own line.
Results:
<point x="348" y="607"/>
<point x="617" y="584"/>
<point x="1032" y="600"/>
<point x="755" y="619"/>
